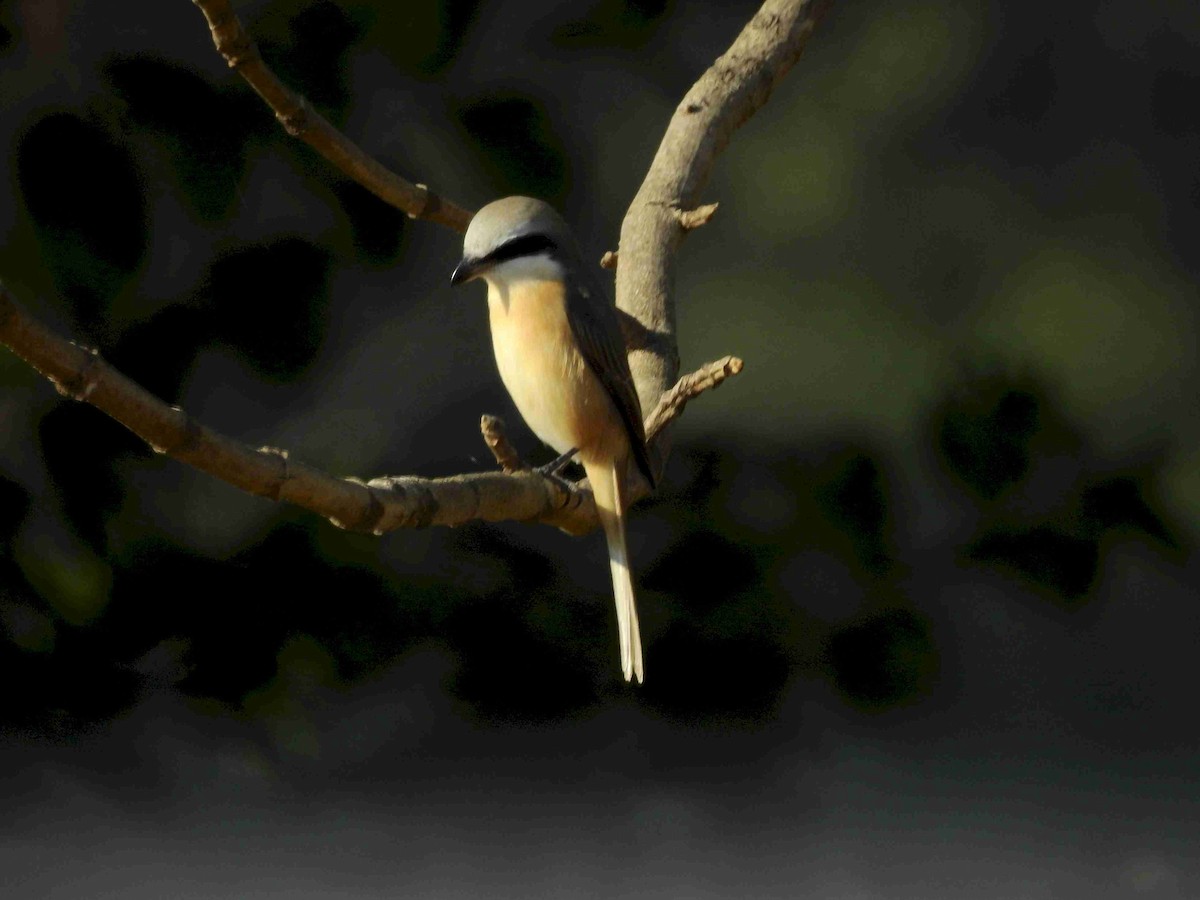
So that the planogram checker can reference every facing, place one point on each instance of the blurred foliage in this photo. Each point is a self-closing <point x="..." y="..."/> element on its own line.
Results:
<point x="89" y="487"/>
<point x="91" y="219"/>
<point x="885" y="660"/>
<point x="854" y="501"/>
<point x="377" y="228"/>
<point x="516" y="144"/>
<point x="732" y="616"/>
<point x="424" y="37"/>
<point x="985" y="440"/>
<point x="1048" y="556"/>
<point x="176" y="108"/>
<point x="14" y="504"/>
<point x="306" y="44"/>
<point x="622" y="23"/>
<point x="996" y="439"/>
<point x="279" y="329"/>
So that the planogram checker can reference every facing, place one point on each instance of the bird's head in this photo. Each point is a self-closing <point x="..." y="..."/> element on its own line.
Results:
<point x="513" y="235"/>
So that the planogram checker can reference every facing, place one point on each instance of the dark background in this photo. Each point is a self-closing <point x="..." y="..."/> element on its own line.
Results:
<point x="918" y="593"/>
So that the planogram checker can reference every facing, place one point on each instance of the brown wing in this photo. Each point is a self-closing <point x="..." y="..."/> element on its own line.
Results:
<point x="593" y="318"/>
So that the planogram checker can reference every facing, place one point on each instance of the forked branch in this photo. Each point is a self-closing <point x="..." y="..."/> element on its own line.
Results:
<point x="666" y="207"/>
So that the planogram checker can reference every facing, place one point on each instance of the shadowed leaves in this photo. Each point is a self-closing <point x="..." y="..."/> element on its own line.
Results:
<point x="522" y="628"/>
<point x="1117" y="503"/>
<point x="884" y="660"/>
<point x="985" y="439"/>
<point x="1050" y="557"/>
<point x="377" y="227"/>
<point x="176" y="108"/>
<point x="270" y="302"/>
<point x="84" y="194"/>
<point x="1048" y="504"/>
<point x="517" y="145"/>
<point x="855" y="502"/>
<point x="14" y="504"/>
<point x="88" y="487"/>
<point x="424" y="37"/>
<point x="613" y="23"/>
<point x="306" y="44"/>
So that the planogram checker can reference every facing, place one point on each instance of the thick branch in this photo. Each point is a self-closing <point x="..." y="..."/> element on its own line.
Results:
<point x="300" y="120"/>
<point x="380" y="505"/>
<point x="728" y="94"/>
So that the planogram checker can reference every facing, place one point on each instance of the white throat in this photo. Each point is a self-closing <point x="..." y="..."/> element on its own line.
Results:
<point x="513" y="274"/>
<point x="538" y="267"/>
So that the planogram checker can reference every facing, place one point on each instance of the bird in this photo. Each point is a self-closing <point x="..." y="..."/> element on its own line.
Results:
<point x="560" y="354"/>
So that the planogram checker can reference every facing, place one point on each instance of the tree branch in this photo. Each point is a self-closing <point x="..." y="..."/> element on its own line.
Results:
<point x="667" y="204"/>
<point x="729" y="93"/>
<point x="507" y="458"/>
<point x="379" y="505"/>
<point x="300" y="120"/>
<point x="665" y="208"/>
<point x="671" y="403"/>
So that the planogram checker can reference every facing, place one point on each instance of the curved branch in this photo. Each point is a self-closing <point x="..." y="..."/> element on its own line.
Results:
<point x="300" y="120"/>
<point x="379" y="505"/>
<point x="665" y="207"/>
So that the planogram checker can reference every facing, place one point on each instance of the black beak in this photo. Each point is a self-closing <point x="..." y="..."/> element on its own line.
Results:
<point x="467" y="269"/>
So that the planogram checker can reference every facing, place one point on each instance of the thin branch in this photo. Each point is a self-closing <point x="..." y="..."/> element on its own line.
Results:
<point x="691" y="219"/>
<point x="379" y="505"/>
<point x="300" y="120"/>
<point x="724" y="97"/>
<point x="507" y="458"/>
<point x="671" y="404"/>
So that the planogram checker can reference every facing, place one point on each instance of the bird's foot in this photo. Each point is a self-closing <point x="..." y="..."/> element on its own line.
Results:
<point x="553" y="469"/>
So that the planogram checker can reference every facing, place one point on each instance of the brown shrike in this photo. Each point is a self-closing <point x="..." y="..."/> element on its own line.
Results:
<point x="560" y="353"/>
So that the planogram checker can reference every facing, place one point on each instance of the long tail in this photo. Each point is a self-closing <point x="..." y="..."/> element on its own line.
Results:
<point x="608" y="488"/>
